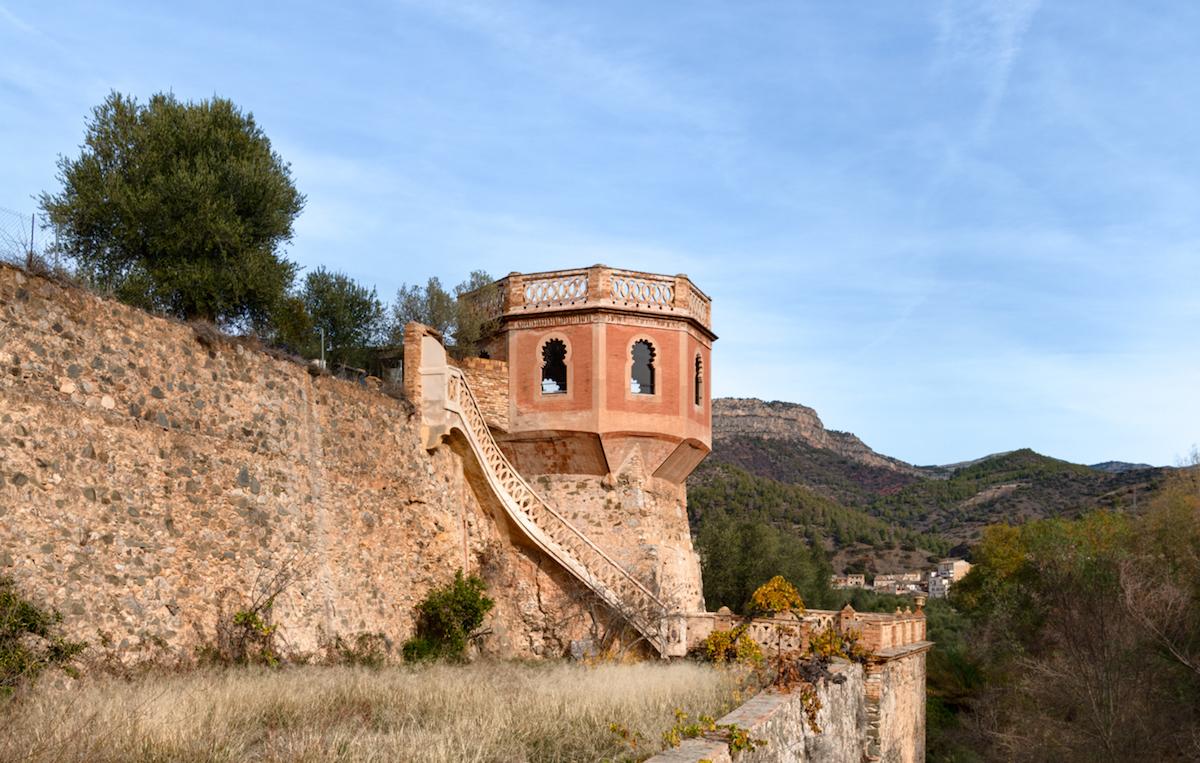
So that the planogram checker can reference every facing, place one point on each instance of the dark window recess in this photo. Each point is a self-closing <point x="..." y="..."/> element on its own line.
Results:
<point x="554" y="367"/>
<point x="699" y="381"/>
<point x="641" y="378"/>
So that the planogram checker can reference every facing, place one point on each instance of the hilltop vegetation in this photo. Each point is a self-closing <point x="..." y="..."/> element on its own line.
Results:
<point x="836" y="476"/>
<point x="794" y="508"/>
<point x="877" y="514"/>
<point x="1014" y="487"/>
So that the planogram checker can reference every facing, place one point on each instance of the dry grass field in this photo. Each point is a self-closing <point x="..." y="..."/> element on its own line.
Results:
<point x="486" y="711"/>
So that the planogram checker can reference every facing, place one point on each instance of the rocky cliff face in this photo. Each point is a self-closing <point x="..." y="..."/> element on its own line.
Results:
<point x="733" y="416"/>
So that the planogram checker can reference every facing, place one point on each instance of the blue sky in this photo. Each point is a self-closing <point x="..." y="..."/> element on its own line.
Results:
<point x="952" y="228"/>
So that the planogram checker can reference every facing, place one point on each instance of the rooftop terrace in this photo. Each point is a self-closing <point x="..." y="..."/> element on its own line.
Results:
<point x="522" y="294"/>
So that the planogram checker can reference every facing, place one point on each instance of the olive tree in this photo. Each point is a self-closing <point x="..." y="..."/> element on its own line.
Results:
<point x="178" y="206"/>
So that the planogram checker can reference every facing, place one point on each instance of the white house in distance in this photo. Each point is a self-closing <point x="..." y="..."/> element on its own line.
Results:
<point x="948" y="572"/>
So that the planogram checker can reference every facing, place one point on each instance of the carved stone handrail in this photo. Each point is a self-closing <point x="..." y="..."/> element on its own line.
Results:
<point x="549" y="530"/>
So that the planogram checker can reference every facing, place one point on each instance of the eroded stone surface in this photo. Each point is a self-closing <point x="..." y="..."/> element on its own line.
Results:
<point x="151" y="481"/>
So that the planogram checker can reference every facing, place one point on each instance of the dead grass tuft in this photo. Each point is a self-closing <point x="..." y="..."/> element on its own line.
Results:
<point x="486" y="711"/>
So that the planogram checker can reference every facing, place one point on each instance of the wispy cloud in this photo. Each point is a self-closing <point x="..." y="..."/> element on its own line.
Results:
<point x="555" y="49"/>
<point x="982" y="41"/>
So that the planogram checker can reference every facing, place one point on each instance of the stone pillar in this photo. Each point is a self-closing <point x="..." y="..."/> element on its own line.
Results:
<point x="675" y="640"/>
<point x="873" y="691"/>
<point x="412" y="362"/>
<point x="514" y="292"/>
<point x="683" y="290"/>
<point x="599" y="287"/>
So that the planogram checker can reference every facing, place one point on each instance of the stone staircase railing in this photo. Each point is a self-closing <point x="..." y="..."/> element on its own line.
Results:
<point x="540" y="522"/>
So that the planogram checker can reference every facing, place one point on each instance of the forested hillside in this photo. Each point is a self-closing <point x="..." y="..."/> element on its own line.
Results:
<point x="775" y="463"/>
<point x="717" y="486"/>
<point x="1012" y="488"/>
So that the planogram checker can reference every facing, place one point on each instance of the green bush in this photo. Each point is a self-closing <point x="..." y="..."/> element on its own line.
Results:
<point x="446" y="618"/>
<point x="28" y="644"/>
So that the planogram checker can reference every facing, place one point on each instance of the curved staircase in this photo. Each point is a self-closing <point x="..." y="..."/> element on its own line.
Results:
<point x="447" y="402"/>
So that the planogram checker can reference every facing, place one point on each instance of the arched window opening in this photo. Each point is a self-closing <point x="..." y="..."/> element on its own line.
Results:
<point x="554" y="367"/>
<point x="699" y="381"/>
<point x="641" y="377"/>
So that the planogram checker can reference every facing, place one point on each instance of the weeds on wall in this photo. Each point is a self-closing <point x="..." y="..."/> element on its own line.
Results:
<point x="246" y="633"/>
<point x="29" y="643"/>
<point x="447" y="618"/>
<point x="737" y="738"/>
<point x="776" y="597"/>
<point x="368" y="650"/>
<point x="804" y="671"/>
<point x="733" y="646"/>
<point x="797" y="670"/>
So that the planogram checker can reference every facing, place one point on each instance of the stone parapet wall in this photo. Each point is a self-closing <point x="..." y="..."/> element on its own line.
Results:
<point x="876" y="714"/>
<point x="150" y="482"/>
<point x="780" y="720"/>
<point x="878" y="631"/>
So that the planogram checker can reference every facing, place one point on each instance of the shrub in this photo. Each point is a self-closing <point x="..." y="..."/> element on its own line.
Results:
<point x="369" y="650"/>
<point x="447" y="617"/>
<point x="831" y="642"/>
<point x="776" y="596"/>
<point x="28" y="643"/>
<point x="732" y="646"/>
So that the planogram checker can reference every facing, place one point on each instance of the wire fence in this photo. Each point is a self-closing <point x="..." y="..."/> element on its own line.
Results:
<point x="27" y="239"/>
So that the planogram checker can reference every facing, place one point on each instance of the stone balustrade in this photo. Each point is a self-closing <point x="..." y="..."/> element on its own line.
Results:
<point x="880" y="631"/>
<point x="520" y="294"/>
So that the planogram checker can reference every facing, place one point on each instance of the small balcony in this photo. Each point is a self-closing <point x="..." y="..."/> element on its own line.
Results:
<point x="597" y="287"/>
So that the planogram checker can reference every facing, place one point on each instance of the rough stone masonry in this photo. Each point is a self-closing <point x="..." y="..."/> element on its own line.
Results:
<point x="151" y="482"/>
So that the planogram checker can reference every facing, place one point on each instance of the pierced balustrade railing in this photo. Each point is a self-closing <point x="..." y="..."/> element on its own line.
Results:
<point x="585" y="559"/>
<point x="642" y="291"/>
<point x="559" y="289"/>
<point x="700" y="307"/>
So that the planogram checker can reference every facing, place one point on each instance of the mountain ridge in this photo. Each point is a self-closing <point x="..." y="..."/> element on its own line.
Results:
<point x="787" y="443"/>
<point x="780" y="420"/>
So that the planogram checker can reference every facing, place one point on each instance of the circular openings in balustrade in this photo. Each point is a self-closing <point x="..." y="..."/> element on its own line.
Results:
<point x="569" y="289"/>
<point x="641" y="374"/>
<point x="554" y="367"/>
<point x="644" y="292"/>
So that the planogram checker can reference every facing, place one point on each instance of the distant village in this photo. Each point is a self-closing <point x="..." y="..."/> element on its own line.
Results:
<point x="933" y="583"/>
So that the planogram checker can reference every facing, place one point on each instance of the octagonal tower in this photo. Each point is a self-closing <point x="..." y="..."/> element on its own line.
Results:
<point x="603" y="364"/>
<point x="608" y="406"/>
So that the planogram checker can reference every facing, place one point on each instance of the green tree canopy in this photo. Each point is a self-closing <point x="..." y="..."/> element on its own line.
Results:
<point x="462" y="320"/>
<point x="179" y="207"/>
<point x="350" y="314"/>
<point x="430" y="304"/>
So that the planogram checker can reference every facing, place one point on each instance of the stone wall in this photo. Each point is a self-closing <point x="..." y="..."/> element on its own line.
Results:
<point x="151" y="480"/>
<point x="877" y="714"/>
<point x="489" y="381"/>
<point x="641" y="522"/>
<point x="898" y="686"/>
<point x="780" y="720"/>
